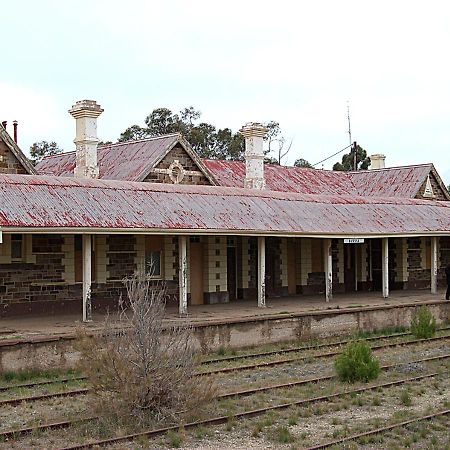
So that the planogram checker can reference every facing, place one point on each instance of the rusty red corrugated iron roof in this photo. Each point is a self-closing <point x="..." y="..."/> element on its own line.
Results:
<point x="57" y="202"/>
<point x="391" y="181"/>
<point x="129" y="160"/>
<point x="403" y="182"/>
<point x="122" y="161"/>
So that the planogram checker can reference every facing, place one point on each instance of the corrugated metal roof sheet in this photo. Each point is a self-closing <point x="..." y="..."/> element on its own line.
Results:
<point x="129" y="160"/>
<point x="122" y="161"/>
<point x="402" y="182"/>
<point x="284" y="179"/>
<point x="52" y="202"/>
<point x="391" y="181"/>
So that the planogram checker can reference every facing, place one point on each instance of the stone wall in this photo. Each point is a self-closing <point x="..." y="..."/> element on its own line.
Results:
<point x="8" y="162"/>
<point x="215" y="270"/>
<point x="437" y="191"/>
<point x="193" y="175"/>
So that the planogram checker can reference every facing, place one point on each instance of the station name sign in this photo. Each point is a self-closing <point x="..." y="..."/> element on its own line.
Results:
<point x="354" y="241"/>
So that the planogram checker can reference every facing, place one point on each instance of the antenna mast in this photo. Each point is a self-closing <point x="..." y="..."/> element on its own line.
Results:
<point x="349" y="127"/>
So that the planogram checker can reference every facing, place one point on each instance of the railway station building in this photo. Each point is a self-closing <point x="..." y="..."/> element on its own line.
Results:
<point x="215" y="231"/>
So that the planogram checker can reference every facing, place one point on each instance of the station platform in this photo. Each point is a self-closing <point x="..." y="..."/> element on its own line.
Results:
<point x="38" y="328"/>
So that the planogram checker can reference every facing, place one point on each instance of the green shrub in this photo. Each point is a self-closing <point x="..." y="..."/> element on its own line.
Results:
<point x="356" y="363"/>
<point x="283" y="435"/>
<point x="175" y="439"/>
<point x="405" y="398"/>
<point x="423" y="325"/>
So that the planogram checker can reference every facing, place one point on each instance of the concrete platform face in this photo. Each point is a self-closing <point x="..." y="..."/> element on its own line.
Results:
<point x="38" y="327"/>
<point x="50" y="341"/>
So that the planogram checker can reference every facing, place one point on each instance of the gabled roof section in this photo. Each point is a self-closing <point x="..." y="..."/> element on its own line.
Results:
<point x="15" y="150"/>
<point x="56" y="204"/>
<point x="400" y="182"/>
<point x="405" y="181"/>
<point x="284" y="179"/>
<point x="127" y="161"/>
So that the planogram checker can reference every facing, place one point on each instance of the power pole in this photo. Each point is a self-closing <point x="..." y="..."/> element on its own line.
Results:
<point x="355" y="160"/>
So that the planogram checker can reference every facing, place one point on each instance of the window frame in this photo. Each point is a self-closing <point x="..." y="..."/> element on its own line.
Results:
<point x="21" y="240"/>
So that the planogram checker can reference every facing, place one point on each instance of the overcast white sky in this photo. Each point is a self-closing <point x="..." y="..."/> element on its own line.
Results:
<point x="297" y="62"/>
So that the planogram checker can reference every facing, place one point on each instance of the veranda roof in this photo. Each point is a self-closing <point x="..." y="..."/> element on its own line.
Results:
<point x="57" y="204"/>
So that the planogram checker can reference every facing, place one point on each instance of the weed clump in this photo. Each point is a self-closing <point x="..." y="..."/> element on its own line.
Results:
<point x="423" y="325"/>
<point x="143" y="373"/>
<point x="356" y="363"/>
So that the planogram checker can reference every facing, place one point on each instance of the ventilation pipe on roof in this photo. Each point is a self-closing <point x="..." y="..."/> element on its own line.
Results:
<point x="254" y="155"/>
<point x="378" y="161"/>
<point x="85" y="113"/>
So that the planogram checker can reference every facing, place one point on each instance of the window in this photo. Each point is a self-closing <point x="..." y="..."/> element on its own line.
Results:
<point x="17" y="247"/>
<point x="153" y="263"/>
<point x="153" y="256"/>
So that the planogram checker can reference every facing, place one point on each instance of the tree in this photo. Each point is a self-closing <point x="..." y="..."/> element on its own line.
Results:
<point x="204" y="138"/>
<point x="40" y="150"/>
<point x="275" y="142"/>
<point x="303" y="163"/>
<point x="347" y="164"/>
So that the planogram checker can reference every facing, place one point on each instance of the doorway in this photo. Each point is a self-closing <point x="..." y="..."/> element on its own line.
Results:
<point x="196" y="271"/>
<point x="231" y="272"/>
<point x="350" y="267"/>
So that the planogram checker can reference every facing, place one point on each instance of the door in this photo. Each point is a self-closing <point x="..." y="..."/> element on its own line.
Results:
<point x="349" y="267"/>
<point x="196" y="272"/>
<point x="231" y="273"/>
<point x="292" y="280"/>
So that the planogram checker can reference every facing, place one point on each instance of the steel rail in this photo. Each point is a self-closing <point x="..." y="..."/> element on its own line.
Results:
<point x="242" y="415"/>
<point x="84" y="391"/>
<point x="41" y="383"/>
<point x="380" y="430"/>
<point x="65" y="424"/>
<point x="218" y="360"/>
<point x="321" y="355"/>
<point x="307" y="347"/>
<point x="34" y="398"/>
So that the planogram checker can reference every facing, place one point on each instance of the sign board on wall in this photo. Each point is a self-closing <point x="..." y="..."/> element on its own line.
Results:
<point x="354" y="241"/>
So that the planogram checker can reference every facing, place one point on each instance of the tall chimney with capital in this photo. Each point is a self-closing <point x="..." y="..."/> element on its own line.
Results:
<point x="254" y="133"/>
<point x="85" y="113"/>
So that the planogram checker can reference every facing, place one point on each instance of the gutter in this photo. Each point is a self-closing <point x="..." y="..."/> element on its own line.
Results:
<point x="212" y="232"/>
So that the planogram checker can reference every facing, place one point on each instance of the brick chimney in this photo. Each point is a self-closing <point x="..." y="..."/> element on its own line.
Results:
<point x="85" y="113"/>
<point x="254" y="133"/>
<point x="378" y="161"/>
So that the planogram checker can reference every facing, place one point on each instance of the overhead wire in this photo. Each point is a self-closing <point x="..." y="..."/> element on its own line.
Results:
<point x="333" y="155"/>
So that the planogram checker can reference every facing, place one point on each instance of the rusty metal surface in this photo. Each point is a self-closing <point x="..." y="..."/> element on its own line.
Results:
<point x="123" y="161"/>
<point x="40" y="201"/>
<point x="391" y="182"/>
<point x="284" y="179"/>
<point x="403" y="182"/>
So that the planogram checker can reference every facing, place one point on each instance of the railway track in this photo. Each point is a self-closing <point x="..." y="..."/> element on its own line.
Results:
<point x="380" y="430"/>
<point x="14" y="434"/>
<point x="306" y="348"/>
<point x="241" y="357"/>
<point x="321" y="355"/>
<point x="254" y="413"/>
<point x="83" y="391"/>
